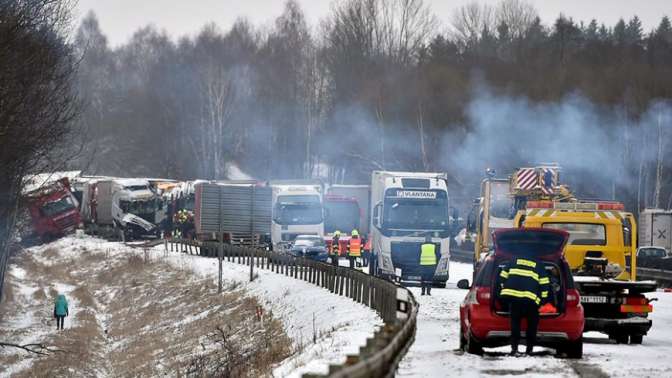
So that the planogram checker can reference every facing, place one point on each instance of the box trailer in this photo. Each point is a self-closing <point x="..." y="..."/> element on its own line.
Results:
<point x="655" y="228"/>
<point x="240" y="210"/>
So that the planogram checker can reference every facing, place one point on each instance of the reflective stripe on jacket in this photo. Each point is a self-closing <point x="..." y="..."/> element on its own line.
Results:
<point x="525" y="279"/>
<point x="428" y="254"/>
<point x="355" y="247"/>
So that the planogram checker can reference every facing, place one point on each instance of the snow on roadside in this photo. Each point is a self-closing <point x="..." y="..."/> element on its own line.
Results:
<point x="339" y="324"/>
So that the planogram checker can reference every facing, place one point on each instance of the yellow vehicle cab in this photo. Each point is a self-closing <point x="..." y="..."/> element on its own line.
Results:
<point x="597" y="230"/>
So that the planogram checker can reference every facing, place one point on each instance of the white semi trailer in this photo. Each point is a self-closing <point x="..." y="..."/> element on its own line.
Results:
<point x="655" y="228"/>
<point x="405" y="208"/>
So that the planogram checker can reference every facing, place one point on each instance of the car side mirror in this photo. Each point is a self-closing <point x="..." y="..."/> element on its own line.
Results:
<point x="463" y="284"/>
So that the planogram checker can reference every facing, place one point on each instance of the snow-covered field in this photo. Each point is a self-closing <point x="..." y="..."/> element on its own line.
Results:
<point x="436" y="353"/>
<point x="339" y="324"/>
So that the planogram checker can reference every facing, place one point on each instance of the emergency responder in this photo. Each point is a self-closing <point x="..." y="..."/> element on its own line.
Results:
<point x="334" y="252"/>
<point x="354" y="248"/>
<point x="427" y="265"/>
<point x="525" y="287"/>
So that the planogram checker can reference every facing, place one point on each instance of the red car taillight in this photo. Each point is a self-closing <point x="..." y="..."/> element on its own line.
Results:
<point x="573" y="298"/>
<point x="483" y="295"/>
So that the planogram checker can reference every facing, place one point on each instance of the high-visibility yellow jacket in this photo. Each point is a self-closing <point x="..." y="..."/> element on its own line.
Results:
<point x="428" y="254"/>
<point x="525" y="279"/>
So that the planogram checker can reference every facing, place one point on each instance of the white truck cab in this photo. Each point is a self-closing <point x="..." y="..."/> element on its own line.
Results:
<point x="297" y="210"/>
<point x="406" y="207"/>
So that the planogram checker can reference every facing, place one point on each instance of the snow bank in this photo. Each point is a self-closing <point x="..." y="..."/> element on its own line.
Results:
<point x="339" y="325"/>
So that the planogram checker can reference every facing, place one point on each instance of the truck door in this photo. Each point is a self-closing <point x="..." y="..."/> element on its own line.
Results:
<point x="630" y="244"/>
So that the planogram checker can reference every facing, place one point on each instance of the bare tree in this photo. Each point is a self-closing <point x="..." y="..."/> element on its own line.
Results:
<point x="470" y="21"/>
<point x="37" y="101"/>
<point x="517" y="15"/>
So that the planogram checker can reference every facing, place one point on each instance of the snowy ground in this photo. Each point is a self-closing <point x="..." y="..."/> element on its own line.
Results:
<point x="322" y="327"/>
<point x="436" y="353"/>
<point x="340" y="325"/>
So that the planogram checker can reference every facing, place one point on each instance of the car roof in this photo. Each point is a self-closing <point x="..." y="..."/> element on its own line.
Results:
<point x="308" y="237"/>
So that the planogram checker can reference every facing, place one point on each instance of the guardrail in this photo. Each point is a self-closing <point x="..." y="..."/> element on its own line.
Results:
<point x="663" y="277"/>
<point x="395" y="304"/>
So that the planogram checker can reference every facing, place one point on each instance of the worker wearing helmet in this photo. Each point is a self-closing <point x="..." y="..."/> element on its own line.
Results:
<point x="427" y="265"/>
<point x="354" y="248"/>
<point x="334" y="251"/>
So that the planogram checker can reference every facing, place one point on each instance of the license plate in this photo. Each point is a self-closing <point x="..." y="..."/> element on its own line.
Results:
<point x="593" y="299"/>
<point x="414" y="278"/>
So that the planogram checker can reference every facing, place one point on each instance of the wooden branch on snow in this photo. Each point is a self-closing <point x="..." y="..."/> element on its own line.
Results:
<point x="40" y="349"/>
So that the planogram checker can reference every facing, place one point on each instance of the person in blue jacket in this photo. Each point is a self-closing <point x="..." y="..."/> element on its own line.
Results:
<point x="60" y="311"/>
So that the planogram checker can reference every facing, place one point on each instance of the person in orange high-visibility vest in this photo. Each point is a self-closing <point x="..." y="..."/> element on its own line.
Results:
<point x="354" y="248"/>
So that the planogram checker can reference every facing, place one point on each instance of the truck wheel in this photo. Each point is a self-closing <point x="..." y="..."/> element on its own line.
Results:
<point x="573" y="349"/>
<point x="636" y="339"/>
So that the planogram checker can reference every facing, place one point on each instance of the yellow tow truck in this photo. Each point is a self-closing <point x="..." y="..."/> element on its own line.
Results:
<point x="601" y="250"/>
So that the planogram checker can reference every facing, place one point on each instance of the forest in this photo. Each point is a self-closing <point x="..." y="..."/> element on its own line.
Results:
<point x="383" y="84"/>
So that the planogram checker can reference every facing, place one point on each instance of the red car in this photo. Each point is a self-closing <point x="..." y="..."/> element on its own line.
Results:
<point x="484" y="320"/>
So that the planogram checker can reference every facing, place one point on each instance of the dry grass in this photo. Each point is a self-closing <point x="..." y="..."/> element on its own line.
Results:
<point x="158" y="320"/>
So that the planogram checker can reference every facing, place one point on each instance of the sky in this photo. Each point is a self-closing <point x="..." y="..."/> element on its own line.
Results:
<point x="120" y="18"/>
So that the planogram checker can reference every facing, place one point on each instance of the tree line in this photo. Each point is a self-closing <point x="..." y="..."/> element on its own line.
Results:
<point x="376" y="85"/>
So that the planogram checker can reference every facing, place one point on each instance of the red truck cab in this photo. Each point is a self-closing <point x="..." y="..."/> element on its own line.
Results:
<point x="53" y="210"/>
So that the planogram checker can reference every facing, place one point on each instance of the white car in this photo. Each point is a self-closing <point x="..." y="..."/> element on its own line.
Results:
<point x="652" y="252"/>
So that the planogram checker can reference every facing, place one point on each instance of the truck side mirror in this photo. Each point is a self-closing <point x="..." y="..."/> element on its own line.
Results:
<point x="376" y="214"/>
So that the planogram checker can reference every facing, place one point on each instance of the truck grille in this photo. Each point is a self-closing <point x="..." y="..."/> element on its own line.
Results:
<point x="67" y="221"/>
<point x="406" y="256"/>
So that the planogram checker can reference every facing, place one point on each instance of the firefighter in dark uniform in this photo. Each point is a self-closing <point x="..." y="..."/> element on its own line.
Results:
<point x="427" y="265"/>
<point x="525" y="287"/>
<point x="335" y="247"/>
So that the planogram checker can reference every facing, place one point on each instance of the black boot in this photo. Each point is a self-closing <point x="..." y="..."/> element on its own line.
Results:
<point x="423" y="291"/>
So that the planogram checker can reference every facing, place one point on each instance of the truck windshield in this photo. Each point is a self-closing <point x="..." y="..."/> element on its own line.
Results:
<point x="409" y="211"/>
<point x="138" y="207"/>
<point x="581" y="233"/>
<point x="298" y="209"/>
<point x="57" y="207"/>
<point x="341" y="215"/>
<point x="501" y="202"/>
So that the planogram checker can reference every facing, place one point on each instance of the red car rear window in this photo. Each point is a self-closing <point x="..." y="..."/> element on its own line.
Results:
<point x="529" y="243"/>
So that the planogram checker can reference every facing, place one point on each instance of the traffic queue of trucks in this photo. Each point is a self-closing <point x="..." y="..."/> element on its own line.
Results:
<point x="394" y="213"/>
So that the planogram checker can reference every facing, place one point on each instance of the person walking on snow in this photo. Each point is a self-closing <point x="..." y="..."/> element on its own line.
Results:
<point x="60" y="311"/>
